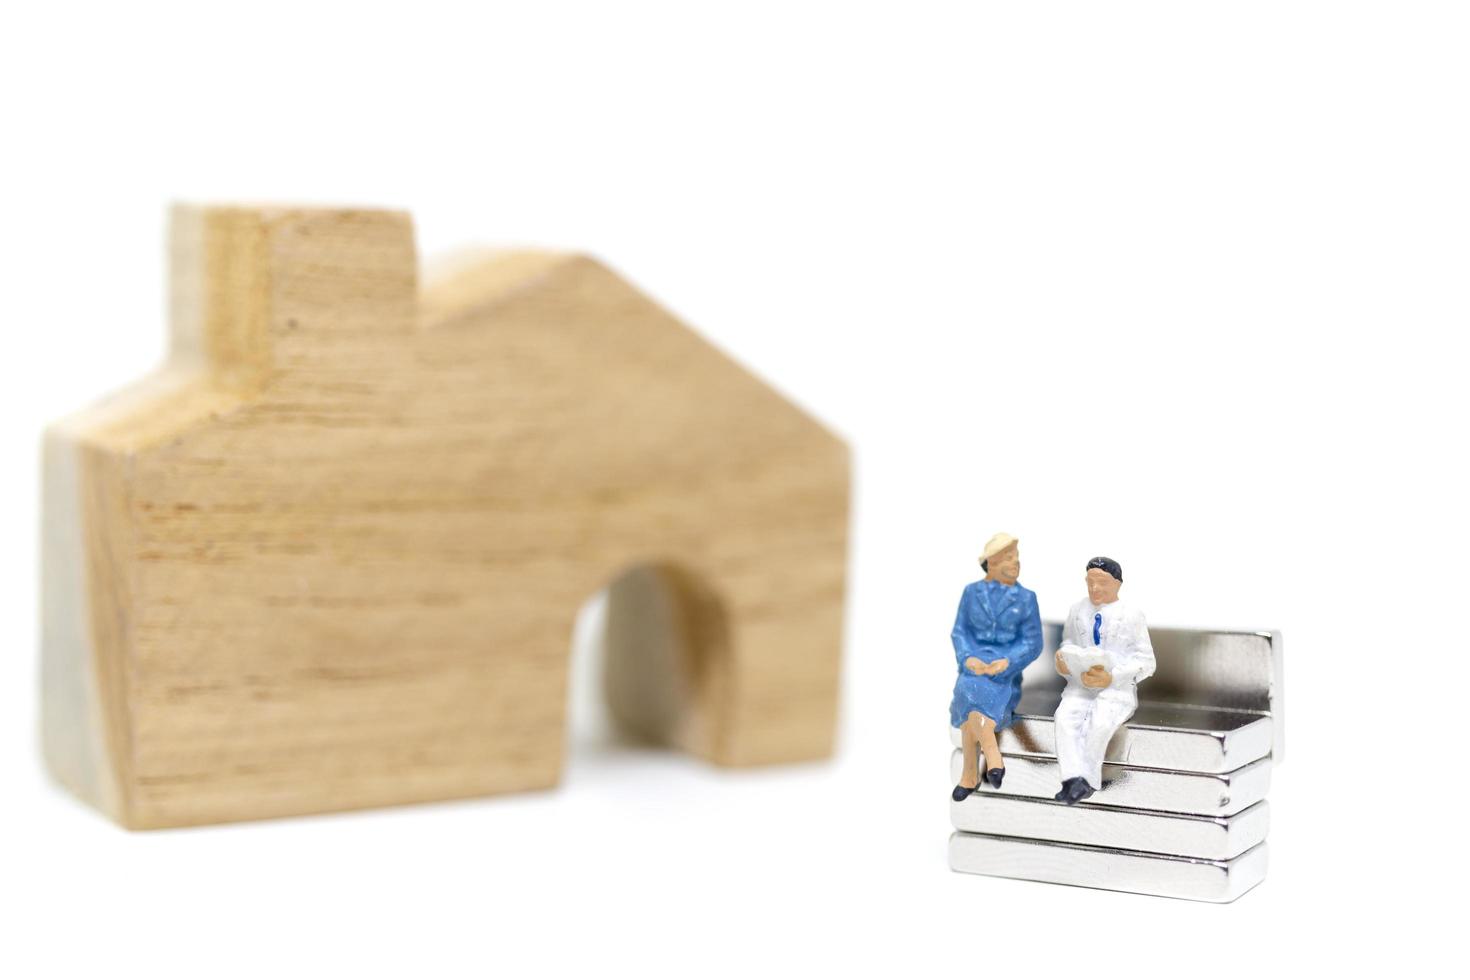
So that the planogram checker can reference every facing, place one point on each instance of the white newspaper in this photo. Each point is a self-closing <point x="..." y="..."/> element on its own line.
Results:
<point x="1080" y="660"/>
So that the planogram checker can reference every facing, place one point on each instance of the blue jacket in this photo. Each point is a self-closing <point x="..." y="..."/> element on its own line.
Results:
<point x="994" y="621"/>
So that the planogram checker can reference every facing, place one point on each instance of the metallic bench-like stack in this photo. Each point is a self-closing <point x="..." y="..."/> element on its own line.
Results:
<point x="1182" y="810"/>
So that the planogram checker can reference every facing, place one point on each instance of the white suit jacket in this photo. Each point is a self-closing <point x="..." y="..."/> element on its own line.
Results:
<point x="1124" y="635"/>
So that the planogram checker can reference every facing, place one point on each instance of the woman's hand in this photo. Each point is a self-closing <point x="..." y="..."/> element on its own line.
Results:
<point x="975" y="665"/>
<point x="996" y="666"/>
<point x="1062" y="665"/>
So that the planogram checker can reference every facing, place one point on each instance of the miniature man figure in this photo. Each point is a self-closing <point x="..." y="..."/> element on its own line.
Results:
<point x="997" y="632"/>
<point x="1110" y="637"/>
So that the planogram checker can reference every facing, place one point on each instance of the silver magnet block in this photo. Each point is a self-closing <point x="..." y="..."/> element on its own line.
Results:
<point x="1216" y="838"/>
<point x="1109" y="868"/>
<point x="1205" y="794"/>
<point x="1203" y="678"/>
<point x="1158" y="736"/>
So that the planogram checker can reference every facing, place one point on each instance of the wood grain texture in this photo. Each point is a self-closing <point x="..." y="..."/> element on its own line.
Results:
<point x="330" y="555"/>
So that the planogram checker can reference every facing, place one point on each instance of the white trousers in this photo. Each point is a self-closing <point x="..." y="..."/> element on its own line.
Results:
<point x="1085" y="722"/>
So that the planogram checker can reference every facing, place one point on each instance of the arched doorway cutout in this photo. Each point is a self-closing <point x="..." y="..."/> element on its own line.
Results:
<point x="650" y="656"/>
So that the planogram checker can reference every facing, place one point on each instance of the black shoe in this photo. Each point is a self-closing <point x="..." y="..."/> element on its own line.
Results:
<point x="1080" y="791"/>
<point x="994" y="776"/>
<point x="960" y="792"/>
<point x="1068" y="787"/>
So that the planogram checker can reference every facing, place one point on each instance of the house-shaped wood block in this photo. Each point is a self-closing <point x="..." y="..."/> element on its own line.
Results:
<point x="330" y="555"/>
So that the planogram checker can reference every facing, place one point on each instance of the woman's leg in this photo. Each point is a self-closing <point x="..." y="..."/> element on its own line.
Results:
<point x="970" y="735"/>
<point x="988" y="745"/>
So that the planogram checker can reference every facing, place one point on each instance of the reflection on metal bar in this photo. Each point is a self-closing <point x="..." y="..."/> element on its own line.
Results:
<point x="1109" y="868"/>
<point x="1159" y="736"/>
<point x="1205" y="794"/>
<point x="1186" y="835"/>
<point x="1237" y="671"/>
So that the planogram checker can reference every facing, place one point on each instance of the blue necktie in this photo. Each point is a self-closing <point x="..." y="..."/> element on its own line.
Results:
<point x="1097" y="630"/>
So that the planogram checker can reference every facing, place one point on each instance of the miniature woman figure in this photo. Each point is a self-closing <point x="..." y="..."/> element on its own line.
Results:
<point x="1107" y="641"/>
<point x="997" y="632"/>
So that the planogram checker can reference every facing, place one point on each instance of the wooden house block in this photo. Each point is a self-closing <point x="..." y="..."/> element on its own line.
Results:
<point x="330" y="555"/>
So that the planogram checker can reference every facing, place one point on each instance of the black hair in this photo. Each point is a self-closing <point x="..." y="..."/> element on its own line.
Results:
<point x="1107" y="565"/>
<point x="984" y="564"/>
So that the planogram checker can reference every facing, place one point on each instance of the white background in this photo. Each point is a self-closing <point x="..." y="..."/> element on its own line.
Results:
<point x="1183" y="284"/>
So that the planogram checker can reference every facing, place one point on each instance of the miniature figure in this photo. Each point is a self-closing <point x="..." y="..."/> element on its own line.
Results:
<point x="997" y="633"/>
<point x="1105" y="653"/>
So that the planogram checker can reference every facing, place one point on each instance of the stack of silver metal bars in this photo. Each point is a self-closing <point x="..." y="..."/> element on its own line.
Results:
<point x="1182" y="810"/>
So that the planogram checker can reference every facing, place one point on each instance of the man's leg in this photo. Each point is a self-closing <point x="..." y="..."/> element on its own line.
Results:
<point x="1111" y="710"/>
<point x="1071" y="725"/>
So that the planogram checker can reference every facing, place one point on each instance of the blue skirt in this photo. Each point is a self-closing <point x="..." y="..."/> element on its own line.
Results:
<point x="994" y="698"/>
